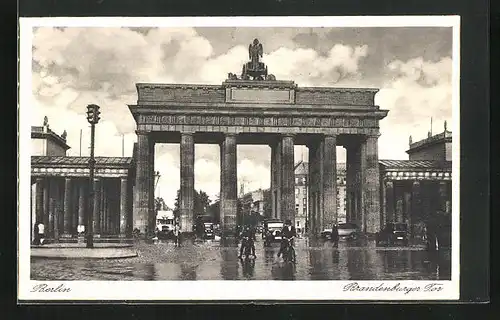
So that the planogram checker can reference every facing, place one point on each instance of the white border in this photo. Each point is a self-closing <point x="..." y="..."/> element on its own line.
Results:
<point x="226" y="290"/>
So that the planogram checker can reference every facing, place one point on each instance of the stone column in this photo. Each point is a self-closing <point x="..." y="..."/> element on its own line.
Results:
<point x="102" y="207"/>
<point x="110" y="212"/>
<point x="383" y="204"/>
<point x="151" y="200"/>
<point x="230" y="185"/>
<point x="81" y="205"/>
<point x="416" y="203"/>
<point x="142" y="192"/>
<point x="443" y="195"/>
<point x="221" y="184"/>
<point x="46" y="200"/>
<point x="371" y="185"/>
<point x="187" y="182"/>
<point x="288" y="182"/>
<point x="39" y="200"/>
<point x="276" y="175"/>
<point x="312" y="186"/>
<point x="54" y="214"/>
<point x="350" y="179"/>
<point x="389" y="201"/>
<point x="320" y="176"/>
<point x="330" y="181"/>
<point x="398" y="197"/>
<point x="96" y="210"/>
<point x="52" y="218"/>
<point x="123" y="206"/>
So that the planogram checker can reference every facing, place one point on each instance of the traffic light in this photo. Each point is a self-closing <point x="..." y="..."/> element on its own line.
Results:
<point x="93" y="113"/>
<point x="97" y="115"/>
<point x="90" y="114"/>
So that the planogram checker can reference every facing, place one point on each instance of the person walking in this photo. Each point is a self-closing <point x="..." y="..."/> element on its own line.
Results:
<point x="41" y="233"/>
<point x="36" y="235"/>
<point x="177" y="234"/>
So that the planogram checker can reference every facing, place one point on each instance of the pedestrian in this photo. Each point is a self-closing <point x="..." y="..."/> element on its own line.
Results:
<point x="36" y="236"/>
<point x="177" y="235"/>
<point x="41" y="233"/>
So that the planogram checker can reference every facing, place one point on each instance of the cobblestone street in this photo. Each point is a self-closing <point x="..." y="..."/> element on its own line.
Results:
<point x="207" y="260"/>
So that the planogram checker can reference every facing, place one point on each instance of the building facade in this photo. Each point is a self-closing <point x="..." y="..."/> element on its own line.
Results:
<point x="302" y="190"/>
<point x="60" y="190"/>
<point x="414" y="191"/>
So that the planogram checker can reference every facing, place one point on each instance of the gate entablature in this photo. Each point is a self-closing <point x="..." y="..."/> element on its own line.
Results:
<point x="268" y="92"/>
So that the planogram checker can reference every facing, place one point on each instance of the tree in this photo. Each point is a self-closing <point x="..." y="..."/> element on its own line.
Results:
<point x="160" y="204"/>
<point x="201" y="203"/>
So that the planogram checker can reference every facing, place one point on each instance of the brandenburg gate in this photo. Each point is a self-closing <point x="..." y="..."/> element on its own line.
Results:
<point x="255" y="108"/>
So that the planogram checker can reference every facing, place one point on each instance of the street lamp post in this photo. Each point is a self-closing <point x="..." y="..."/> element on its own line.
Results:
<point x="93" y="118"/>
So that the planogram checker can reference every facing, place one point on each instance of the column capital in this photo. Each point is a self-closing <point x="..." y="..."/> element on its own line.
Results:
<point x="288" y="135"/>
<point x="123" y="179"/>
<point x="389" y="183"/>
<point x="373" y="135"/>
<point x="230" y="134"/>
<point x="187" y="133"/>
<point x="330" y="135"/>
<point x="416" y="183"/>
<point x="142" y="132"/>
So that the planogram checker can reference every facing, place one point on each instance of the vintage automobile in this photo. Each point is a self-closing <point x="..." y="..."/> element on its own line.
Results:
<point x="329" y="234"/>
<point x="348" y="231"/>
<point x="164" y="231"/>
<point x="208" y="230"/>
<point x="438" y="232"/>
<point x="272" y="231"/>
<point x="393" y="233"/>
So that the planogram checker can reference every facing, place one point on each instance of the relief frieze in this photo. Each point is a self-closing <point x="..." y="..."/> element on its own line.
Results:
<point x="270" y="121"/>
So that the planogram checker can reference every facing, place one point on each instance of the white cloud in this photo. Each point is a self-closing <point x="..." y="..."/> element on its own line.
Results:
<point x="418" y="91"/>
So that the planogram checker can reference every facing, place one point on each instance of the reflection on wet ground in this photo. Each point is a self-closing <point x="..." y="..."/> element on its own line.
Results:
<point x="209" y="261"/>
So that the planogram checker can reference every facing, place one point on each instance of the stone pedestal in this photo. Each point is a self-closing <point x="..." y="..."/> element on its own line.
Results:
<point x="142" y="192"/>
<point x="186" y="199"/>
<point x="230" y="185"/>
<point x="288" y="179"/>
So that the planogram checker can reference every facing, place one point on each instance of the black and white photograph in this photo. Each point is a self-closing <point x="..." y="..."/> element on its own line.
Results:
<point x="183" y="158"/>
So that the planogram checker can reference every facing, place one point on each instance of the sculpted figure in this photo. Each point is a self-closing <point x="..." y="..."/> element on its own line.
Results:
<point x="255" y="52"/>
<point x="64" y="135"/>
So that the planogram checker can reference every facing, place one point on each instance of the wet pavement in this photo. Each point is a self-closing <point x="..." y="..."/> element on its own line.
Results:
<point x="208" y="260"/>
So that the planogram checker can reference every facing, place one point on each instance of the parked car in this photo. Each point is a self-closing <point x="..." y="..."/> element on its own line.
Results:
<point x="272" y="231"/>
<point x="348" y="231"/>
<point x="328" y="234"/>
<point x="393" y="233"/>
<point x="164" y="231"/>
<point x="438" y="232"/>
<point x="208" y="230"/>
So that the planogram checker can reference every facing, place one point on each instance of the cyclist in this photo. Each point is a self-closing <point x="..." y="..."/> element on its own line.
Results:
<point x="247" y="239"/>
<point x="288" y="233"/>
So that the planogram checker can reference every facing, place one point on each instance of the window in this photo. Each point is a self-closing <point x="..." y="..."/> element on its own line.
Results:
<point x="296" y="210"/>
<point x="297" y="190"/>
<point x="298" y="223"/>
<point x="304" y="201"/>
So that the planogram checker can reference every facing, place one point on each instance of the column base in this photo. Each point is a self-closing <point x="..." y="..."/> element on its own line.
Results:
<point x="66" y="236"/>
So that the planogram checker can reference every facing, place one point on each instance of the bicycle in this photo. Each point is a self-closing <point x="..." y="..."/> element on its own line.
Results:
<point x="289" y="252"/>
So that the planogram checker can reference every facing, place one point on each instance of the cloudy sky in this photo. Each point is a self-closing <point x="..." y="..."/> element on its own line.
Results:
<point x="73" y="67"/>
